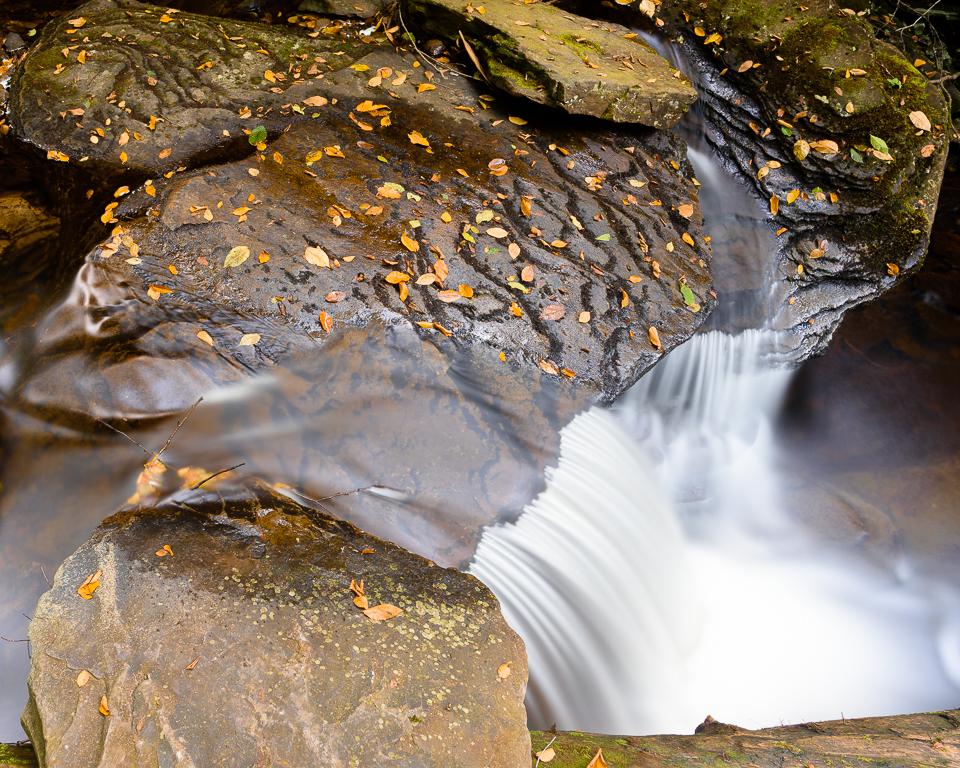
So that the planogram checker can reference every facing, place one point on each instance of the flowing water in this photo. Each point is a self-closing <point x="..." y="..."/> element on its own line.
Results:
<point x="656" y="576"/>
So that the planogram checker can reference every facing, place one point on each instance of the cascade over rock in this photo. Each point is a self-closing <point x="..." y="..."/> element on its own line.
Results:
<point x="795" y="100"/>
<point x="223" y="630"/>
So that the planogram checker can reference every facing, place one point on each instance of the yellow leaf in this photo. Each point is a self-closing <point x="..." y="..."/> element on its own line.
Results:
<point x="774" y="204"/>
<point x="792" y="195"/>
<point x="359" y="67"/>
<point x="248" y="339"/>
<point x="445" y="217"/>
<point x="517" y="120"/>
<point x="825" y="147"/>
<point x="268" y="75"/>
<point x="525" y="208"/>
<point x="89" y="585"/>
<point x="893" y="269"/>
<point x="598" y="761"/>
<point x="237" y="256"/>
<point x="409" y="242"/>
<point x="417" y="138"/>
<point x="333" y="151"/>
<point x="104" y="709"/>
<point x="425" y="87"/>
<point x="316" y="256"/>
<point x="462" y="172"/>
<point x="515" y="309"/>
<point x="625" y="301"/>
<point x="484" y="215"/>
<point x="466" y="291"/>
<point x="654" y="337"/>
<point x="278" y="158"/>
<point x="205" y="337"/>
<point x="687" y="238"/>
<point x="714" y="38"/>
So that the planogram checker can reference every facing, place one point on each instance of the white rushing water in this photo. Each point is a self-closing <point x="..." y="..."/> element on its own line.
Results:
<point x="657" y="579"/>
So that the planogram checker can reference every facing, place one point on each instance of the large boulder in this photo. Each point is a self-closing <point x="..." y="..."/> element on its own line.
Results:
<point x="573" y="250"/>
<point x="556" y="58"/>
<point x="226" y="630"/>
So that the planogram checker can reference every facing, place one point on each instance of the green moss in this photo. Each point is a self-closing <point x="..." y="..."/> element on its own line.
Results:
<point x="582" y="48"/>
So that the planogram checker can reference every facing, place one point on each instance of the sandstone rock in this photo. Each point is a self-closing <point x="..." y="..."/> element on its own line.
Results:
<point x="360" y="8"/>
<point x="24" y="228"/>
<point x="821" y="77"/>
<point x="243" y="645"/>
<point x="547" y="55"/>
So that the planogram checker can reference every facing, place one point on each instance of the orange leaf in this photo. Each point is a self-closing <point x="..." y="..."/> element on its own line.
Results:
<point x="417" y="138"/>
<point x="90" y="585"/>
<point x="165" y="153"/>
<point x="193" y="663"/>
<point x="440" y="267"/>
<point x="394" y="278"/>
<point x="104" y="709"/>
<point x="553" y="312"/>
<point x="334" y="296"/>
<point x="448" y="296"/>
<point x="503" y="671"/>
<point x="409" y="242"/>
<point x="549" y="366"/>
<point x="382" y="612"/>
<point x="326" y="322"/>
<point x="654" y="338"/>
<point x="466" y="291"/>
<point x="598" y="761"/>
<point x="316" y="256"/>
<point x="686" y="211"/>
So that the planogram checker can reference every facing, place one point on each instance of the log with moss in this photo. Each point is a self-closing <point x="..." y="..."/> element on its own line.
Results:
<point x="901" y="741"/>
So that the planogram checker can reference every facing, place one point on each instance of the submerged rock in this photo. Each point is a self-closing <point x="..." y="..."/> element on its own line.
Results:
<point x="226" y="630"/>
<point x="842" y="135"/>
<point x="555" y="58"/>
<point x="24" y="229"/>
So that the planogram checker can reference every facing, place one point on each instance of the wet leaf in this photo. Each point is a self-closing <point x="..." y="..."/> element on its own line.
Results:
<point x="395" y="278"/>
<point x="449" y="296"/>
<point x="316" y="256"/>
<point x="257" y="135"/>
<point x="498" y="232"/>
<point x="164" y="153"/>
<point x="548" y="366"/>
<point x="625" y="301"/>
<point x="441" y="270"/>
<point x="248" y="339"/>
<point x="466" y="291"/>
<point x="425" y="87"/>
<point x="417" y="138"/>
<point x="237" y="256"/>
<point x="205" y="337"/>
<point x="164" y="551"/>
<point x="514" y="309"/>
<point x="83" y="678"/>
<point x="326" y="322"/>
<point x="687" y="238"/>
<point x="382" y="612"/>
<point x="774" y="204"/>
<point x="313" y="101"/>
<point x="333" y="151"/>
<point x="409" y="243"/>
<point x="920" y="120"/>
<point x="525" y="207"/>
<point x="155" y="291"/>
<point x="553" y="312"/>
<point x="517" y="120"/>
<point x="792" y="195"/>
<point x="485" y="215"/>
<point x="825" y="147"/>
<point x="104" y="708"/>
<point x="745" y="66"/>
<point x="192" y="664"/>
<point x="893" y="269"/>
<point x="654" y="337"/>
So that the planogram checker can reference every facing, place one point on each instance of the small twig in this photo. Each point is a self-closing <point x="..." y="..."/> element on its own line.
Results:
<point x="946" y="78"/>
<point x="13" y="641"/>
<point x="45" y="577"/>
<point x="178" y="428"/>
<point x="544" y="750"/>
<point x="215" y="474"/>
<point x="443" y="70"/>
<point x="149" y="453"/>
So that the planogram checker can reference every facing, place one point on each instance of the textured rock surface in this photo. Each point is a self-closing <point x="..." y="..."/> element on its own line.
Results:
<point x="244" y="646"/>
<point x="24" y="228"/>
<point x="555" y="58"/>
<point x="819" y="75"/>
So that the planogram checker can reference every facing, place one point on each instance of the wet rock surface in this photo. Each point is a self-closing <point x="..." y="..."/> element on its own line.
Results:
<point x="777" y="84"/>
<point x="243" y="645"/>
<point x="559" y="247"/>
<point x="24" y="229"/>
<point x="562" y="60"/>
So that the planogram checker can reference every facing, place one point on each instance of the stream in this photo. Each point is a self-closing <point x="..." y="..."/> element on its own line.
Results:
<point x="720" y="542"/>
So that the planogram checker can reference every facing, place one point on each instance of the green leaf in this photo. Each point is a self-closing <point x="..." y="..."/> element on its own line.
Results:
<point x="879" y="144"/>
<point x="296" y="108"/>
<point x="413" y="196"/>
<point x="786" y="131"/>
<point x="605" y="237"/>
<point x="257" y="135"/>
<point x="688" y="297"/>
<point x="468" y="236"/>
<point x="817" y="190"/>
<point x="394" y="185"/>
<point x="894" y="82"/>
<point x="519" y="287"/>
<point x="31" y="33"/>
<point x="856" y="156"/>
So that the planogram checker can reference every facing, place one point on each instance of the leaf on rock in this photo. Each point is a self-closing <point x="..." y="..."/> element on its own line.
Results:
<point x="927" y="150"/>
<point x="686" y="210"/>
<point x="553" y="312"/>
<point x="382" y="612"/>
<point x="548" y="366"/>
<point x="654" y="337"/>
<point x="466" y="291"/>
<point x="879" y="144"/>
<point x="192" y="664"/>
<point x="326" y="322"/>
<point x="825" y="147"/>
<point x="409" y="243"/>
<point x="334" y="296"/>
<point x="316" y="256"/>
<point x="104" y="709"/>
<point x="920" y="120"/>
<point x="205" y="337"/>
<point x="89" y="585"/>
<point x="417" y="138"/>
<point x="237" y="255"/>
<point x="504" y="671"/>
<point x="449" y="296"/>
<point x="249" y="339"/>
<point x="517" y="120"/>
<point x="497" y="232"/>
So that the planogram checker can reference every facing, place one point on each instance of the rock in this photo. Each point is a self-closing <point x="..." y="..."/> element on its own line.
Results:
<point x="363" y="9"/>
<point x="242" y="644"/>
<point x="24" y="229"/>
<point x="875" y="214"/>
<point x="612" y="226"/>
<point x="551" y="57"/>
<point x="13" y="42"/>
<point x="17" y="756"/>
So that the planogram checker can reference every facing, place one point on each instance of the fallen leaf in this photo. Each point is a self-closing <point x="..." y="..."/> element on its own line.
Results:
<point x="165" y="153"/>
<point x="625" y="301"/>
<point x="686" y="211"/>
<point x="893" y="269"/>
<point x="333" y="151"/>
<point x="558" y="244"/>
<point x="83" y="678"/>
<point x="417" y="138"/>
<point x="526" y="274"/>
<point x="504" y="671"/>
<point x="237" y="256"/>
<point x="927" y="150"/>
<point x="514" y="250"/>
<point x="104" y="709"/>
<point x="525" y="207"/>
<point x="517" y="120"/>
<point x="920" y="120"/>
<point x="514" y="309"/>
<point x="553" y="312"/>
<point x="466" y="291"/>
<point x="315" y="101"/>
<point x="326" y="322"/>
<point x="193" y="663"/>
<point x="425" y="87"/>
<point x="686" y="237"/>
<point x="316" y="256"/>
<point x="441" y="269"/>
<point x="334" y="296"/>
<point x="654" y="337"/>
<point x="550" y="367"/>
<point x="89" y="585"/>
<point x="248" y="339"/>
<point x="745" y="66"/>
<point x="598" y="761"/>
<point x="546" y="755"/>
<point x="205" y="337"/>
<point x="497" y="232"/>
<point x="409" y="243"/>
<point x="825" y="146"/>
<point x="448" y="296"/>
<point x="382" y="612"/>
<point x="774" y="204"/>
<point x="164" y="550"/>
<point x="395" y="278"/>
